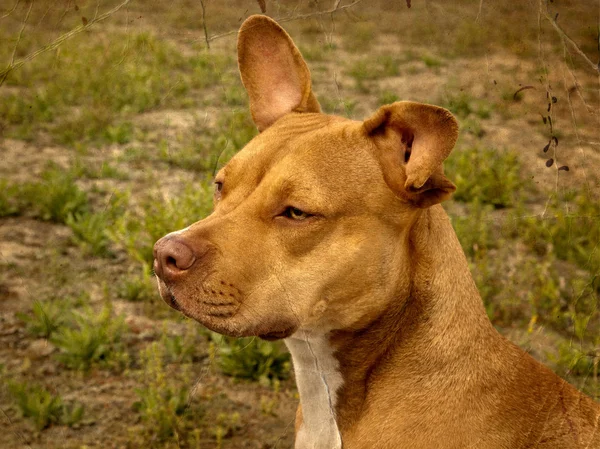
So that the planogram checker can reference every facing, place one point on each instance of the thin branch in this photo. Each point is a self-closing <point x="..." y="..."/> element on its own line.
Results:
<point x="479" y="11"/>
<point x="566" y="38"/>
<point x="11" y="10"/>
<point x="204" y="24"/>
<point x="291" y="18"/>
<point x="58" y="41"/>
<point x="12" y="57"/>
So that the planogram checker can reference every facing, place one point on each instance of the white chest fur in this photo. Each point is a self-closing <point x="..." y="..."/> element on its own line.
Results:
<point x="318" y="379"/>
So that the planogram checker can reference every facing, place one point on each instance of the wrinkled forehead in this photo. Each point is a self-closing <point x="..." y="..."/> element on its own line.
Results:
<point x="315" y="151"/>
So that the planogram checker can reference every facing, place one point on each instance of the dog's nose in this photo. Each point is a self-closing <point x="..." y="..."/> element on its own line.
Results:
<point x="172" y="256"/>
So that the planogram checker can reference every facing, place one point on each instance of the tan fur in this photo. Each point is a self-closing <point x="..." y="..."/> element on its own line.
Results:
<point x="374" y="275"/>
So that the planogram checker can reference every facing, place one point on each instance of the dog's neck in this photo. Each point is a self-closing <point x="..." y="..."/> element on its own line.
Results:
<point x="441" y="317"/>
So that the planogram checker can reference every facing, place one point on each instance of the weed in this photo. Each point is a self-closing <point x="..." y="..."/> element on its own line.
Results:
<point x="485" y="174"/>
<point x="162" y="398"/>
<point x="56" y="197"/>
<point x="193" y="155"/>
<point x="463" y="105"/>
<point x="89" y="231"/>
<point x="138" y="285"/>
<point x="44" y="408"/>
<point x="387" y="97"/>
<point x="235" y="130"/>
<point x="474" y="230"/>
<point x="431" y="61"/>
<point x="103" y="83"/>
<point x="227" y="424"/>
<point x="46" y="317"/>
<point x="472" y="126"/>
<point x="94" y="340"/>
<point x="138" y="229"/>
<point x="570" y="230"/>
<point x="182" y="348"/>
<point x="372" y="69"/>
<point x="252" y="358"/>
<point x="9" y="195"/>
<point x="359" y="36"/>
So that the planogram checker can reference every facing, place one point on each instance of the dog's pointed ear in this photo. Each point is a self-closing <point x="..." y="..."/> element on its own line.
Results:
<point x="412" y="140"/>
<point x="273" y="72"/>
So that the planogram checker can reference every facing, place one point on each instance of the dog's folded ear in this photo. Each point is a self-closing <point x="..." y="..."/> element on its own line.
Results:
<point x="273" y="72"/>
<point x="411" y="141"/>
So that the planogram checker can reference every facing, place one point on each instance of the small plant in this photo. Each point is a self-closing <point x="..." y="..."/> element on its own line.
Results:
<point x="485" y="174"/>
<point x="431" y="61"/>
<point x="252" y="358"/>
<point x="138" y="229"/>
<point x="387" y="97"/>
<point x="89" y="231"/>
<point x="42" y="407"/>
<point x="56" y="197"/>
<point x="46" y="317"/>
<point x="163" y="399"/>
<point x="226" y="425"/>
<point x="138" y="285"/>
<point x="94" y="340"/>
<point x="9" y="199"/>
<point x="463" y="105"/>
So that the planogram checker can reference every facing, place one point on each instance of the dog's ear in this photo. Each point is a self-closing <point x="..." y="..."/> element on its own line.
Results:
<point x="273" y="72"/>
<point x="412" y="140"/>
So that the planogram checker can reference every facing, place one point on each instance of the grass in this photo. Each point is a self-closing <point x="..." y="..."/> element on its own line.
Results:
<point x="569" y="229"/>
<point x="103" y="83"/>
<point x="252" y="358"/>
<point x="55" y="198"/>
<point x="373" y="68"/>
<point x="46" y="317"/>
<point x="139" y="228"/>
<point x="163" y="398"/>
<point x="464" y="105"/>
<point x="487" y="175"/>
<point x="92" y="340"/>
<point x="42" y="407"/>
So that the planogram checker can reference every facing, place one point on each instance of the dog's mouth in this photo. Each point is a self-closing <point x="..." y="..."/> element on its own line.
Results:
<point x="278" y="335"/>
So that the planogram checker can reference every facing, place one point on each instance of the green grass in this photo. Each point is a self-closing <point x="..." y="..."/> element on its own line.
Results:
<point x="487" y="175"/>
<point x="252" y="358"/>
<point x="56" y="197"/>
<point x="46" y="317"/>
<point x="42" y="407"/>
<point x="102" y="84"/>
<point x="570" y="229"/>
<point x="373" y="68"/>
<point x="139" y="228"/>
<point x="92" y="339"/>
<point x="464" y="105"/>
<point x="162" y="397"/>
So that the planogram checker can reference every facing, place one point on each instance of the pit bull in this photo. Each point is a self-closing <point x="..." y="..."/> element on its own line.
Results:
<point x="329" y="233"/>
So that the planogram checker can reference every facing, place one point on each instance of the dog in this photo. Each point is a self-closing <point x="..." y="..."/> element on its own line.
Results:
<point x="329" y="233"/>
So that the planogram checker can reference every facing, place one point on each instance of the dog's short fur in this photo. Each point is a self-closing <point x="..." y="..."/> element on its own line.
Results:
<point x="327" y="232"/>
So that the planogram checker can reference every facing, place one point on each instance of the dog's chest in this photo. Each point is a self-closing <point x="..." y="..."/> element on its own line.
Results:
<point x="318" y="379"/>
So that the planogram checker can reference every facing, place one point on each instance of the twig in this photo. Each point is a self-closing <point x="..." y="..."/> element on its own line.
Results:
<point x="11" y="10"/>
<point x="58" y="41"/>
<point x="204" y="24"/>
<point x="566" y="38"/>
<point x="479" y="11"/>
<point x="336" y="8"/>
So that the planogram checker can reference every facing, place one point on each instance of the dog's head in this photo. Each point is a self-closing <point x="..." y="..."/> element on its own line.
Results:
<point x="310" y="228"/>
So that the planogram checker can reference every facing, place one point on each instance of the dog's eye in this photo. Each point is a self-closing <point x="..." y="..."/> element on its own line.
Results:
<point x="295" y="213"/>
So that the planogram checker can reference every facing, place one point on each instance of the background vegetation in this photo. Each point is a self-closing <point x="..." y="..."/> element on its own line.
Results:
<point x="111" y="139"/>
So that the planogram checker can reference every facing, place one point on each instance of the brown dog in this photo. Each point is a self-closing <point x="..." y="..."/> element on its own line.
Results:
<point x="327" y="232"/>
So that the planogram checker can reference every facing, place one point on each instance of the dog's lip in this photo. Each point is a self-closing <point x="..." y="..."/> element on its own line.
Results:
<point x="278" y="335"/>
